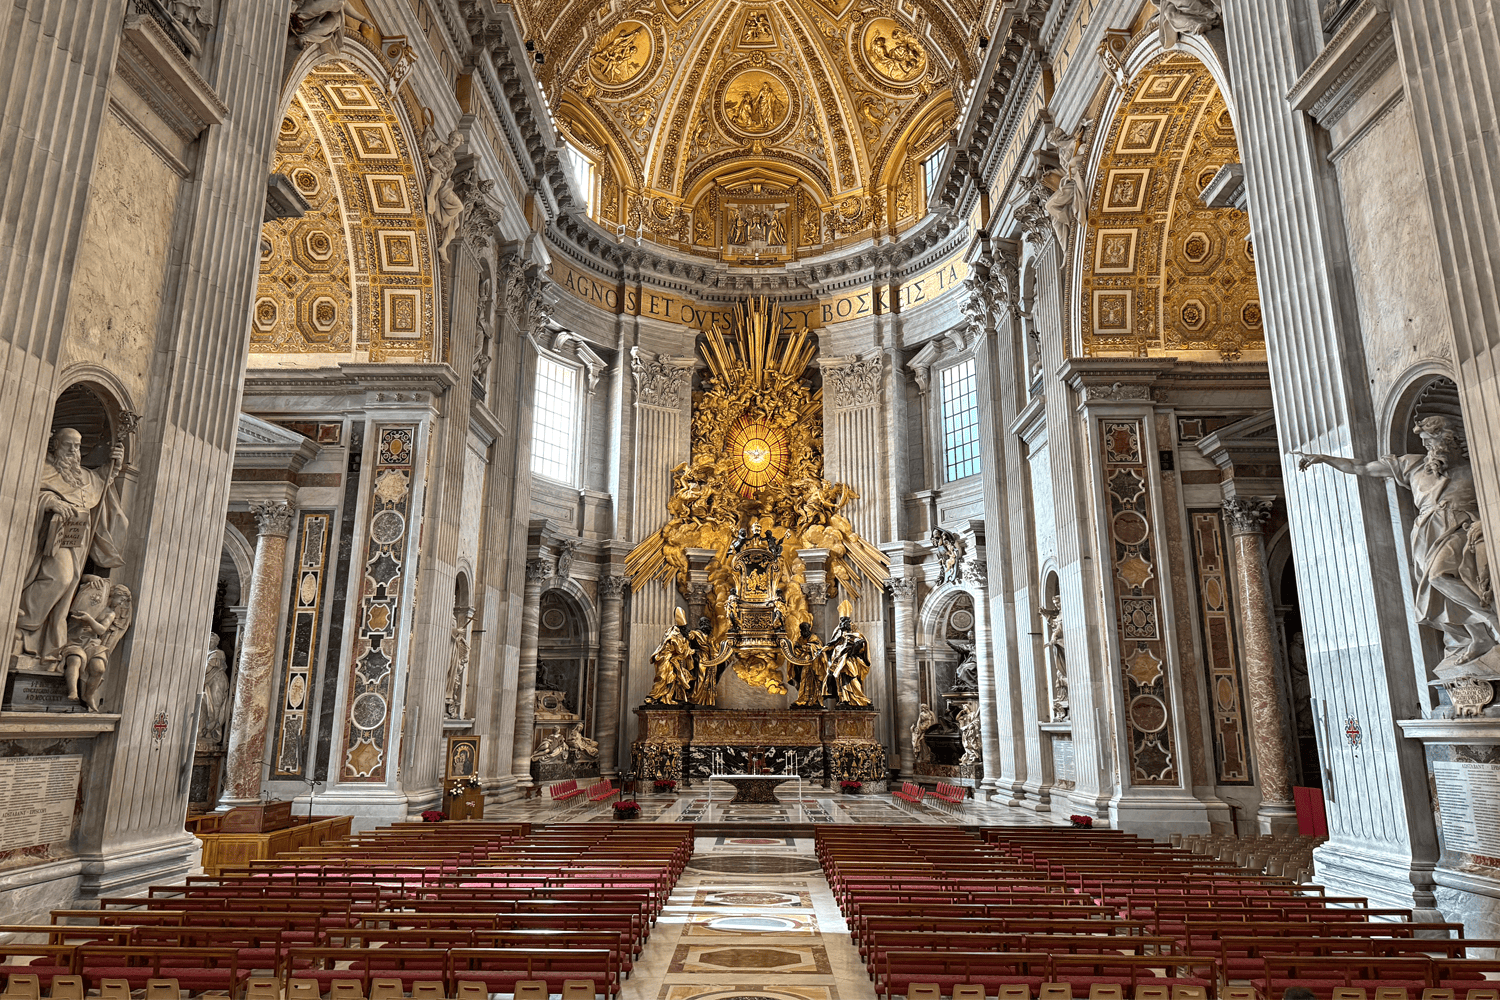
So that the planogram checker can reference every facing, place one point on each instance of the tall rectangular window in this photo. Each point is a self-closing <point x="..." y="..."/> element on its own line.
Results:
<point x="958" y="389"/>
<point x="583" y="170"/>
<point x="554" y="421"/>
<point x="930" y="168"/>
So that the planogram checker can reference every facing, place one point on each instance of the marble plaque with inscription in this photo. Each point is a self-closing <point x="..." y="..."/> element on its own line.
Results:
<point x="37" y="796"/>
<point x="1469" y="799"/>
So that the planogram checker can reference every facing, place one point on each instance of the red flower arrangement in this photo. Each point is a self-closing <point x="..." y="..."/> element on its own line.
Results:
<point x="850" y="786"/>
<point x="626" y="809"/>
<point x="664" y="785"/>
<point x="1083" y="822"/>
<point x="433" y="815"/>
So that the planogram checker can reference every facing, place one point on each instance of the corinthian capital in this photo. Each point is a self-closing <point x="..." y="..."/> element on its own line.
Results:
<point x="1247" y="515"/>
<point x="273" y="517"/>
<point x="904" y="591"/>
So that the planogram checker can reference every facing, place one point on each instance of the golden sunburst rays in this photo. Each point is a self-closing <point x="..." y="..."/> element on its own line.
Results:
<point x="757" y="345"/>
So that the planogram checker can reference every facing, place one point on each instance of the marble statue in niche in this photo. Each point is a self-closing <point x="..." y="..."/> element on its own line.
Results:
<point x="550" y="750"/>
<point x="968" y="730"/>
<point x="580" y="747"/>
<point x="1449" y="559"/>
<point x="966" y="674"/>
<point x="443" y="203"/>
<point x="98" y="618"/>
<point x="926" y="719"/>
<point x="79" y="519"/>
<point x="482" y="354"/>
<point x="950" y="549"/>
<point x="213" y="717"/>
<point x="458" y="669"/>
<point x="1057" y="653"/>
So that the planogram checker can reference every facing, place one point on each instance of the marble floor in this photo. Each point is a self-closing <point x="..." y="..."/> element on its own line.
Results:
<point x="795" y="804"/>
<point x="751" y="919"/>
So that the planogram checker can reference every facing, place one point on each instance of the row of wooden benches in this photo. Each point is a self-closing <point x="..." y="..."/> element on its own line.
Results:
<point x="1022" y="905"/>
<point x="433" y="904"/>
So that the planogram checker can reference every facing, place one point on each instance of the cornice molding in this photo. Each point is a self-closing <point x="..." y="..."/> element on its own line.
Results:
<point x="1352" y="60"/>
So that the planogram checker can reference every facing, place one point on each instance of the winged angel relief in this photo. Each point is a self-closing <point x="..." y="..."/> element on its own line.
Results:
<point x="757" y="466"/>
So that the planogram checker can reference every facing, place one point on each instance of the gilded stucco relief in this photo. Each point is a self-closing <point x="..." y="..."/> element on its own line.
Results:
<point x="1162" y="272"/>
<point x="815" y="111"/>
<point x="354" y="274"/>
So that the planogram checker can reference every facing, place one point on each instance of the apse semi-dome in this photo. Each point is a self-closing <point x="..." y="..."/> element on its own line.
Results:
<point x="754" y="132"/>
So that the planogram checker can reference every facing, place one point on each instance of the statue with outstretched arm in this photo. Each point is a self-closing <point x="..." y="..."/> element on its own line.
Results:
<point x="1449" y="561"/>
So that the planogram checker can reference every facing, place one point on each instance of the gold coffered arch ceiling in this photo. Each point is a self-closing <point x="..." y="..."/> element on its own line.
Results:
<point x="354" y="277"/>
<point x="1163" y="273"/>
<point x="755" y="130"/>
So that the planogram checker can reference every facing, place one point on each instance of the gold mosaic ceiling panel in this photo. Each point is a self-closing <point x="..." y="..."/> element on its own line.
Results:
<point x="1162" y="272"/>
<point x="355" y="272"/>
<point x="813" y="110"/>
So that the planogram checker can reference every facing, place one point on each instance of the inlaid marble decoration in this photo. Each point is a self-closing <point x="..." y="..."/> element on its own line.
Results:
<point x="305" y="618"/>
<point x="1221" y="654"/>
<point x="368" y="705"/>
<point x="1137" y="582"/>
<point x="770" y="959"/>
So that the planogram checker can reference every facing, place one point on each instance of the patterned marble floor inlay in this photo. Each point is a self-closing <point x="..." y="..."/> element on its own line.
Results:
<point x="748" y="923"/>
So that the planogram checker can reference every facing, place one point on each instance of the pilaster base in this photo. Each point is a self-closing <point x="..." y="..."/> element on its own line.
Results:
<point x="1471" y="899"/>
<point x="28" y="895"/>
<point x="1383" y="879"/>
<point x="131" y="871"/>
<point x="1277" y="818"/>
<point x="369" y="807"/>
<point x="1158" y="817"/>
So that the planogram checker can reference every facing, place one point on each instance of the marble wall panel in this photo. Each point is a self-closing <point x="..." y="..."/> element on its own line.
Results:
<point x="116" y="295"/>
<point x="368" y="713"/>
<point x="304" y="627"/>
<point x="1393" y="252"/>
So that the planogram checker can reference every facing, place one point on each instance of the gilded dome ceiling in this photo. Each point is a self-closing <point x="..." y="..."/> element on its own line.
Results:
<point x="754" y="130"/>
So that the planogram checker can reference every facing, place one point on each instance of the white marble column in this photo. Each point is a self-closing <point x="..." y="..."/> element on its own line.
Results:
<point x="1383" y="840"/>
<point x="607" y="691"/>
<point x="904" y="593"/>
<point x="257" y="662"/>
<point x="1450" y="59"/>
<point x="1258" y="641"/>
<point x="537" y="572"/>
